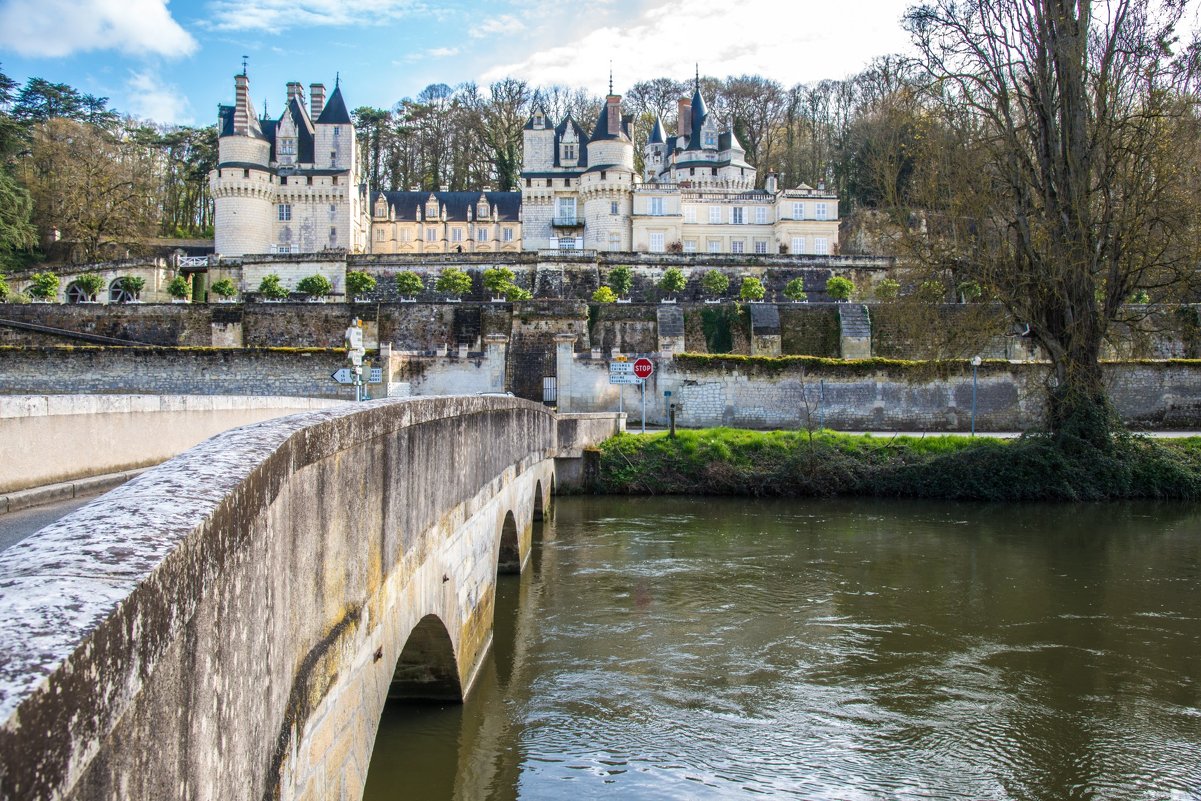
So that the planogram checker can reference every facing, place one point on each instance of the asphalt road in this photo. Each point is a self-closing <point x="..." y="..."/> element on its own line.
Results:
<point x="16" y="526"/>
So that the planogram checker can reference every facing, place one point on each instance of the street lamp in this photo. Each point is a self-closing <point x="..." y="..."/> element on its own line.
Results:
<point x="975" y="365"/>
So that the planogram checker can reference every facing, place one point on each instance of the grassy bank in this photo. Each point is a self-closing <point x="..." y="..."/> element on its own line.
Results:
<point x="724" y="461"/>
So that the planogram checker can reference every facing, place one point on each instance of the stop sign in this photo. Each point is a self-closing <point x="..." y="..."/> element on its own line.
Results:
<point x="643" y="368"/>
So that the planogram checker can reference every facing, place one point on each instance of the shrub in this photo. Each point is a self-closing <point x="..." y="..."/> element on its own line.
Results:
<point x="715" y="283"/>
<point x="89" y="284"/>
<point x="315" y="286"/>
<point x="621" y="278"/>
<point x="43" y="286"/>
<point x="498" y="279"/>
<point x="409" y="283"/>
<point x="359" y="283"/>
<point x="839" y="288"/>
<point x="931" y="292"/>
<point x="224" y="288"/>
<point x="131" y="285"/>
<point x="969" y="291"/>
<point x="673" y="280"/>
<point x="272" y="288"/>
<point x="604" y="295"/>
<point x="795" y="290"/>
<point x="180" y="288"/>
<point x="4" y="290"/>
<point x="751" y="289"/>
<point x="515" y="293"/>
<point x="453" y="281"/>
<point x="888" y="289"/>
<point x="1140" y="296"/>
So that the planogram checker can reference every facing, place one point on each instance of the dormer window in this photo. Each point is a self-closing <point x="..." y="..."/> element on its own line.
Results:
<point x="569" y="153"/>
<point x="481" y="211"/>
<point x="431" y="209"/>
<point x="287" y="146"/>
<point x="539" y="121"/>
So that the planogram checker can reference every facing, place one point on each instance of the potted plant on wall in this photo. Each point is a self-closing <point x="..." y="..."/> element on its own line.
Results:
<point x="453" y="282"/>
<point x="496" y="281"/>
<point x="409" y="284"/>
<point x="314" y="288"/>
<point x="43" y="287"/>
<point x="89" y="285"/>
<point x="839" y="288"/>
<point x="514" y="293"/>
<point x="751" y="290"/>
<point x="4" y="290"/>
<point x="180" y="289"/>
<point x="603" y="294"/>
<point x="673" y="281"/>
<point x="272" y="289"/>
<point x="131" y="287"/>
<point x="225" y="290"/>
<point x="359" y="284"/>
<point x="715" y="283"/>
<point x="794" y="290"/>
<point x="621" y="278"/>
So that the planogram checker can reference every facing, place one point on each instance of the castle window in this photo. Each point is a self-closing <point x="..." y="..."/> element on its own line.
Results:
<point x="690" y="246"/>
<point x="482" y="210"/>
<point x="379" y="234"/>
<point x="550" y="182"/>
<point x="481" y="234"/>
<point x="283" y="180"/>
<point x="566" y="182"/>
<point x="798" y="211"/>
<point x="285" y="212"/>
<point x="431" y="210"/>
<point x="283" y="248"/>
<point x="613" y="207"/>
<point x="507" y="234"/>
<point x="456" y="234"/>
<point x="602" y="175"/>
<point x="529" y="182"/>
<point x="333" y="158"/>
<point x="431" y="234"/>
<point x="337" y="130"/>
<point x="761" y="215"/>
<point x="714" y="245"/>
<point x="569" y="152"/>
<point x="287" y="147"/>
<point x="406" y="235"/>
<point x="333" y="234"/>
<point x="798" y="244"/>
<point x="714" y="216"/>
<point x="710" y="138"/>
<point x="657" y="243"/>
<point x="309" y="180"/>
<point x="737" y="246"/>
<point x="692" y="170"/>
<point x="737" y="215"/>
<point x="713" y="170"/>
<point x="761" y="246"/>
<point x="656" y="208"/>
<point x="821" y="246"/>
<point x="334" y="180"/>
<point x="246" y="173"/>
<point x="333" y="209"/>
<point x="690" y="215"/>
<point x="820" y="213"/>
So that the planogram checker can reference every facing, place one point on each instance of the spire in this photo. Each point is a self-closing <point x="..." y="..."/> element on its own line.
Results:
<point x="244" y="60"/>
<point x="610" y="76"/>
<point x="337" y="79"/>
<point x="698" y="76"/>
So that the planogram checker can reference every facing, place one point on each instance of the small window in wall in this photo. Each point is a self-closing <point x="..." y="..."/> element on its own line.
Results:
<point x="690" y="214"/>
<point x="737" y="246"/>
<point x="481" y="234"/>
<point x="613" y="208"/>
<point x="456" y="234"/>
<point x="507" y="234"/>
<point x="283" y="248"/>
<point x="550" y="182"/>
<point x="285" y="212"/>
<point x="337" y="131"/>
<point x="713" y="170"/>
<point x="566" y="182"/>
<point x="737" y="215"/>
<point x="246" y="173"/>
<point x="283" y="181"/>
<point x="431" y="234"/>
<point x="761" y="215"/>
<point x="798" y="211"/>
<point x="333" y="157"/>
<point x="714" y="216"/>
<point x="309" y="180"/>
<point x="798" y="244"/>
<point x="821" y="246"/>
<point x="334" y="180"/>
<point x="821" y="211"/>
<point x="379" y="234"/>
<point x="715" y="246"/>
<point x="760" y="246"/>
<point x="690" y="246"/>
<point x="603" y="174"/>
<point x="614" y="241"/>
<point x="529" y="182"/>
<point x="333" y="234"/>
<point x="657" y="243"/>
<point x="656" y="206"/>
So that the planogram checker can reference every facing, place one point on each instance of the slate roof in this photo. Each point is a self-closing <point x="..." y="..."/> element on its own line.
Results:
<point x="304" y="132"/>
<point x="580" y="135"/>
<point x="601" y="131"/>
<point x="335" y="112"/>
<point x="405" y="204"/>
<point x="529" y="124"/>
<point x="699" y="112"/>
<point x="657" y="136"/>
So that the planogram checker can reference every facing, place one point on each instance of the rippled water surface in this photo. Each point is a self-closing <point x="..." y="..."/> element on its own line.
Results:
<point x="661" y="648"/>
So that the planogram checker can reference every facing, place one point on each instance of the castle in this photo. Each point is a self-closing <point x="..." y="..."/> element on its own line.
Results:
<point x="276" y="192"/>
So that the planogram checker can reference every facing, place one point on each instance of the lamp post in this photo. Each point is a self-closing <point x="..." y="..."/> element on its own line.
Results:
<point x="975" y="365"/>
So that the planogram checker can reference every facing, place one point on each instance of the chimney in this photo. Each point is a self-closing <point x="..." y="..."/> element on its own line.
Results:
<point x="295" y="92"/>
<point x="241" y="104"/>
<point x="772" y="183"/>
<point x="613" y="104"/>
<point x="684" y="118"/>
<point x="316" y="100"/>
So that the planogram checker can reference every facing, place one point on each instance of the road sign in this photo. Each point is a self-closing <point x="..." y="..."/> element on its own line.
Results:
<point x="622" y="373"/>
<point x="343" y="376"/>
<point x="644" y="367"/>
<point x="376" y="376"/>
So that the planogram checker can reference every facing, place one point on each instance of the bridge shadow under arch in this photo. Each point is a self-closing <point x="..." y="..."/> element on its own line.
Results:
<point x="508" y="561"/>
<point x="426" y="669"/>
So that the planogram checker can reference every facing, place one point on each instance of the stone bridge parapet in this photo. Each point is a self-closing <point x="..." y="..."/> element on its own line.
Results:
<point x="229" y="624"/>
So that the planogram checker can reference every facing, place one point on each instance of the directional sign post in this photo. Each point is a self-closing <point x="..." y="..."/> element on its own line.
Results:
<point x="343" y="376"/>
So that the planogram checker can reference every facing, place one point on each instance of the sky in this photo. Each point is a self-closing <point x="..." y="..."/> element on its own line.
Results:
<point x="173" y="61"/>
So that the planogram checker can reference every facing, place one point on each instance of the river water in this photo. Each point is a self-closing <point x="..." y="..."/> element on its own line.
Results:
<point x="679" y="648"/>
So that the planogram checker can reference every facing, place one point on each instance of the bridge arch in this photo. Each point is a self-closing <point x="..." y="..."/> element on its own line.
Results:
<point x="509" y="557"/>
<point x="426" y="668"/>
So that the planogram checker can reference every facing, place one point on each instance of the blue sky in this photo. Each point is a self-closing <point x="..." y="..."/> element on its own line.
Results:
<point x="174" y="61"/>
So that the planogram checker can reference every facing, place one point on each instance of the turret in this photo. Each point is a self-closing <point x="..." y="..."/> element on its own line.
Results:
<point x="654" y="154"/>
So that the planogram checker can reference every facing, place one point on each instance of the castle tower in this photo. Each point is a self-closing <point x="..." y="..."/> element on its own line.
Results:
<point x="654" y="155"/>
<point x="607" y="186"/>
<point x="242" y="185"/>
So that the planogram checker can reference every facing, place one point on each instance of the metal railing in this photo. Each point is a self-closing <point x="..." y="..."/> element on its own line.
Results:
<point x="566" y="222"/>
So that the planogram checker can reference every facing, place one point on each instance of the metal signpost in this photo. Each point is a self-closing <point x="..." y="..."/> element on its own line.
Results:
<point x="354" y="352"/>
<point x="621" y="372"/>
<point x="644" y="368"/>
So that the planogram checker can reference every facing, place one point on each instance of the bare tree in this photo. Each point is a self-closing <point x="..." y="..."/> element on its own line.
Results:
<point x="1060" y="170"/>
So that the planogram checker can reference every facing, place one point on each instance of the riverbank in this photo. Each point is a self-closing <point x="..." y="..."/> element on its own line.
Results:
<point x="723" y="461"/>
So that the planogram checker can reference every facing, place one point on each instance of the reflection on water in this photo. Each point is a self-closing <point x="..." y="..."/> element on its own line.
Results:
<point x="712" y="648"/>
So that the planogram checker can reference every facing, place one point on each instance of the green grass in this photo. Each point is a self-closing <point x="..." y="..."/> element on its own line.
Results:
<point x="723" y="461"/>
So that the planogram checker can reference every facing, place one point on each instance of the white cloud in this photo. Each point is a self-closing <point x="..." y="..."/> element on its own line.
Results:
<point x="151" y="99"/>
<point x="442" y="52"/>
<point x="505" y="23"/>
<point x="276" y="15"/>
<point x="57" y="28"/>
<point x="791" y="42"/>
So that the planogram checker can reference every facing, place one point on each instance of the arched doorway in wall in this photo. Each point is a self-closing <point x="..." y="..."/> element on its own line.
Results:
<point x="509" y="559"/>
<point x="426" y="669"/>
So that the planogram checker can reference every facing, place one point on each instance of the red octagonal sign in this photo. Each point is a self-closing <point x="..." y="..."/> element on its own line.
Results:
<point x="643" y="368"/>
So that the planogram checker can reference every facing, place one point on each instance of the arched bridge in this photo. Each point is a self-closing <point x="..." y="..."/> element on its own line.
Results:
<point x="230" y="624"/>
